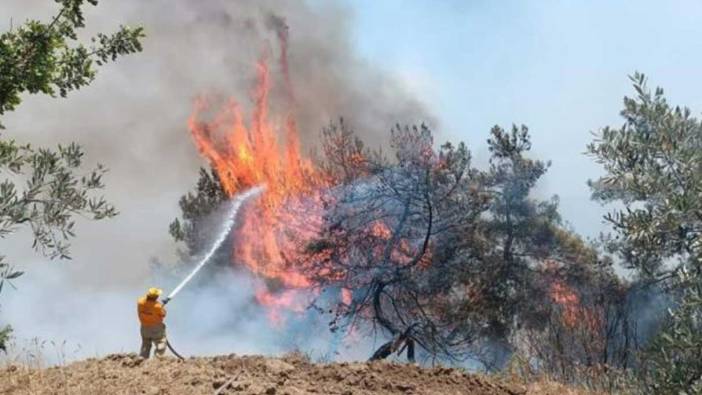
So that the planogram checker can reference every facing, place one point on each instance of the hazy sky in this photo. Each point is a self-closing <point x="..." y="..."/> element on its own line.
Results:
<point x="559" y="67"/>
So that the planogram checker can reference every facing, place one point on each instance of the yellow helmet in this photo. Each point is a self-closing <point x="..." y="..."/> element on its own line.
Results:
<point x="154" y="293"/>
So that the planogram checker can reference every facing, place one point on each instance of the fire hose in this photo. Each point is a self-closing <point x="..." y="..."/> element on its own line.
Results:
<point x="174" y="351"/>
<point x="236" y="203"/>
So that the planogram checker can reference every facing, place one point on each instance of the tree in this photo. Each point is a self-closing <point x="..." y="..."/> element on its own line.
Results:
<point x="521" y="228"/>
<point x="673" y="361"/>
<point x="47" y="58"/>
<point x="195" y="208"/>
<point x="389" y="237"/>
<point x="653" y="167"/>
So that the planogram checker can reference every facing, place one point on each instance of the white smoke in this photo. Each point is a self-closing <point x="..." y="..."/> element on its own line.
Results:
<point x="219" y="318"/>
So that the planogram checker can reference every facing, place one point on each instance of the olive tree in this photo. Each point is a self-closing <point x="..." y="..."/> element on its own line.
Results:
<point x="42" y="188"/>
<point x="653" y="166"/>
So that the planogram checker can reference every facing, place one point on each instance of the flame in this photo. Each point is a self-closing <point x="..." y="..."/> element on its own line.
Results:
<point x="245" y="154"/>
<point x="288" y="300"/>
<point x="346" y="296"/>
<point x="264" y="149"/>
<point x="568" y="300"/>
<point x="574" y="314"/>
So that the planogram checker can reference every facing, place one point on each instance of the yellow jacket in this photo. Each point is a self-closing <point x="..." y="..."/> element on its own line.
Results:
<point x="151" y="312"/>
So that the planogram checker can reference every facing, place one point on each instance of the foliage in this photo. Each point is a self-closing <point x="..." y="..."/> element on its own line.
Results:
<point x="389" y="237"/>
<point x="673" y="361"/>
<point x="345" y="157"/>
<point x="653" y="169"/>
<point x="47" y="58"/>
<point x="521" y="229"/>
<point x="596" y="380"/>
<point x="195" y="207"/>
<point x="427" y="246"/>
<point x="44" y="189"/>
<point x="589" y="327"/>
<point x="4" y="337"/>
<point x="429" y="243"/>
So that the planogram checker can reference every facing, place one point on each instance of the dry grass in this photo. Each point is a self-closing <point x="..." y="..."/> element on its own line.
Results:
<point x="595" y="380"/>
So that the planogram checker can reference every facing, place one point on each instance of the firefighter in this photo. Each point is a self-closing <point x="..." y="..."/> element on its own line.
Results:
<point x="153" y="330"/>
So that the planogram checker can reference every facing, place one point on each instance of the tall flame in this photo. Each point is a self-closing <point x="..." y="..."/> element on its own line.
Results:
<point x="244" y="155"/>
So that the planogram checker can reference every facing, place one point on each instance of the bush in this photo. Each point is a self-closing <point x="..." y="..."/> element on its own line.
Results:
<point x="673" y="362"/>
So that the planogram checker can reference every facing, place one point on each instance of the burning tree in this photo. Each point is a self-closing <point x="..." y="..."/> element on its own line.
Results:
<point x="388" y="239"/>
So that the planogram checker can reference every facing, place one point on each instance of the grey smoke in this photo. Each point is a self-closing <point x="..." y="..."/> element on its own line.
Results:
<point x="219" y="318"/>
<point x="133" y="120"/>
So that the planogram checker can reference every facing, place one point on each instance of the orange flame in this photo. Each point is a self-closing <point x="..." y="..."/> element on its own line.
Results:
<point x="574" y="314"/>
<point x="248" y="155"/>
<point x="287" y="300"/>
<point x="568" y="300"/>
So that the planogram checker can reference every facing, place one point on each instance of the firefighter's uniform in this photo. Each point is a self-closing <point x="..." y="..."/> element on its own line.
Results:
<point x="153" y="330"/>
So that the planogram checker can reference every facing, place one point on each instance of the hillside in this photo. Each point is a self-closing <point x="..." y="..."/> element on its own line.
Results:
<point x="129" y="374"/>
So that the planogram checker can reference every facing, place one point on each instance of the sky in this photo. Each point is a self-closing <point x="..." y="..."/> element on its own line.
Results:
<point x="559" y="67"/>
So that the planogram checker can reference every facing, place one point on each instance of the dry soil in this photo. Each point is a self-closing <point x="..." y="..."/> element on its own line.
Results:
<point x="130" y="374"/>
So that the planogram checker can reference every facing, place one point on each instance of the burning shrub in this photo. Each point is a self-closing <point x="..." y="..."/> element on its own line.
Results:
<point x="587" y="332"/>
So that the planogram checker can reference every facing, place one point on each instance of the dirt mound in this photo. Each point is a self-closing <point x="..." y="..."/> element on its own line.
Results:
<point x="130" y="374"/>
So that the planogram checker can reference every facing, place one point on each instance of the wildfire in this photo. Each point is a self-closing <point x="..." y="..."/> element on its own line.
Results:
<point x="264" y="149"/>
<point x="568" y="300"/>
<point x="245" y="154"/>
<point x="574" y="313"/>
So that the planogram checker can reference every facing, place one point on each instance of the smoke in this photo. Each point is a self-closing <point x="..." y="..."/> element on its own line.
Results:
<point x="216" y="313"/>
<point x="58" y="325"/>
<point x="133" y="120"/>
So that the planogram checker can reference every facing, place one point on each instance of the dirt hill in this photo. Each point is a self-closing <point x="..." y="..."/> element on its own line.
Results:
<point x="129" y="374"/>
